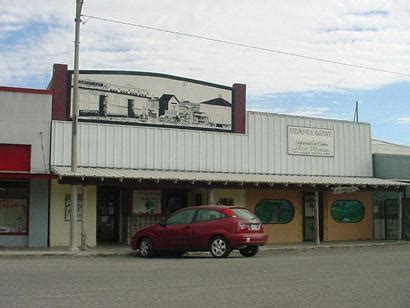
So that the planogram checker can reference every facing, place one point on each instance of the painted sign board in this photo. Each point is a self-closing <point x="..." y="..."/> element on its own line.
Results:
<point x="344" y="189"/>
<point x="310" y="141"/>
<point x="153" y="99"/>
<point x="67" y="207"/>
<point x="146" y="202"/>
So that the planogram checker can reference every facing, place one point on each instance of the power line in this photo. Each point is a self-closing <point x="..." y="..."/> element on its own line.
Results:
<point x="248" y="46"/>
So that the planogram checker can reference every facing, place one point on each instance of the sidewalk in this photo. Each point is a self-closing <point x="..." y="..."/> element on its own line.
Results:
<point x="123" y="250"/>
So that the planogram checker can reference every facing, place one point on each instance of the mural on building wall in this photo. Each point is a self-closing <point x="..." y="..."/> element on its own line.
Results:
<point x="154" y="99"/>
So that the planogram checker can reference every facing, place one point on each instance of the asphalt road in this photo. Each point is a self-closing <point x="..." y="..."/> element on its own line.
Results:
<point x="353" y="277"/>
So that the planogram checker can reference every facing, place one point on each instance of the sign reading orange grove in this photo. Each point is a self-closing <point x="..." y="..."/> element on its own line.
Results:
<point x="310" y="141"/>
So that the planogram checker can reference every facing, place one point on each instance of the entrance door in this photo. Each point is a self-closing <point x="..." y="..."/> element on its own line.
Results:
<point x="308" y="204"/>
<point x="174" y="200"/>
<point x="406" y="219"/>
<point x="391" y="214"/>
<point x="107" y="216"/>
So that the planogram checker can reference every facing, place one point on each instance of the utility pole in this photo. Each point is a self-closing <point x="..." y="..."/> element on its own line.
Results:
<point x="73" y="220"/>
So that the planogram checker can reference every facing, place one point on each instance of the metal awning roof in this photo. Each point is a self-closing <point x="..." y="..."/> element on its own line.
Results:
<point x="188" y="176"/>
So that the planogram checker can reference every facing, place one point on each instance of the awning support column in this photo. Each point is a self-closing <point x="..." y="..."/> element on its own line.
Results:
<point x="73" y="219"/>
<point x="400" y="231"/>
<point x="211" y="196"/>
<point x="317" y="220"/>
<point x="84" y="219"/>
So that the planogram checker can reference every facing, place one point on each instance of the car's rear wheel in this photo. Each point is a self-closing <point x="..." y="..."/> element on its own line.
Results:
<point x="146" y="248"/>
<point x="249" y="251"/>
<point x="219" y="247"/>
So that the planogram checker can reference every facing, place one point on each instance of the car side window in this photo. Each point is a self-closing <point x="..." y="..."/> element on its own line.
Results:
<point x="183" y="217"/>
<point x="208" y="215"/>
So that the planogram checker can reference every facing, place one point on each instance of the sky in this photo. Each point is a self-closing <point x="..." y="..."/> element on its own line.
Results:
<point x="369" y="33"/>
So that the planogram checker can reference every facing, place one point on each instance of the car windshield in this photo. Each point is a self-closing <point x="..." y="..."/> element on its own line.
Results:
<point x="245" y="214"/>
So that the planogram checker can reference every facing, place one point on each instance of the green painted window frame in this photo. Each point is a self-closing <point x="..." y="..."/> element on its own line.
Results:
<point x="272" y="205"/>
<point x="343" y="217"/>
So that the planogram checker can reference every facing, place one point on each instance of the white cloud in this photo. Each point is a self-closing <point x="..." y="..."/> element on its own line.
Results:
<point x="370" y="33"/>
<point x="317" y="112"/>
<point x="403" y="120"/>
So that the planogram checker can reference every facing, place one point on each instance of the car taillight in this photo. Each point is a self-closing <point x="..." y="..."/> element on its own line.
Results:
<point x="229" y="213"/>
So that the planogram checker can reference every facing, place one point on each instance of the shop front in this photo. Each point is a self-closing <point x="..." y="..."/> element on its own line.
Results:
<point x="25" y="119"/>
<point x="168" y="142"/>
<point x="125" y="202"/>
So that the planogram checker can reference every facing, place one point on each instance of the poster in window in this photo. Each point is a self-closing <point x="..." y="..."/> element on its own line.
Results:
<point x="13" y="215"/>
<point x="68" y="207"/>
<point x="146" y="202"/>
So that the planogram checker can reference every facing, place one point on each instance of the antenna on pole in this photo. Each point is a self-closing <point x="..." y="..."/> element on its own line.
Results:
<point x="356" y="113"/>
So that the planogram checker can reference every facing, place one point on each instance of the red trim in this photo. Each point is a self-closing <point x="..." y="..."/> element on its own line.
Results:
<point x="15" y="157"/>
<point x="26" y="176"/>
<point x="59" y="87"/>
<point x="239" y="108"/>
<point x="26" y="90"/>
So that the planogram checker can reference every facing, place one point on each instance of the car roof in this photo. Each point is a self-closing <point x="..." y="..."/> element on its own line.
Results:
<point x="212" y="207"/>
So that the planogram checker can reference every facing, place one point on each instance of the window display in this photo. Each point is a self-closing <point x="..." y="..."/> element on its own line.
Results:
<point x="274" y="211"/>
<point x="13" y="207"/>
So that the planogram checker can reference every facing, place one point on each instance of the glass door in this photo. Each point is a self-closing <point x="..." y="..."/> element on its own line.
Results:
<point x="309" y="233"/>
<point x="107" y="217"/>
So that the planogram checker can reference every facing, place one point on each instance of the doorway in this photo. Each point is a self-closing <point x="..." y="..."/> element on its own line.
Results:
<point x="174" y="200"/>
<point x="308" y="204"/>
<point x="108" y="204"/>
<point x="391" y="219"/>
<point x="406" y="219"/>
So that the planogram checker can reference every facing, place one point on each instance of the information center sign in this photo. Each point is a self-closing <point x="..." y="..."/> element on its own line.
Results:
<point x="310" y="141"/>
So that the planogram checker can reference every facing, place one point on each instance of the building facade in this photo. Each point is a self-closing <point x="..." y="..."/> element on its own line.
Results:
<point x="187" y="150"/>
<point x="25" y="123"/>
<point x="392" y="208"/>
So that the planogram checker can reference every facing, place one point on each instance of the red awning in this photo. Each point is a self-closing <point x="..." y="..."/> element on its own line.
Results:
<point x="25" y="176"/>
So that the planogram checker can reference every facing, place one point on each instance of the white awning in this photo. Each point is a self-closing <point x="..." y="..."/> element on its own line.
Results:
<point x="209" y="177"/>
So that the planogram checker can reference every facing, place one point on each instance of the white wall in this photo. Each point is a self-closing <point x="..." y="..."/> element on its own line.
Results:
<point x="262" y="150"/>
<point x="23" y="116"/>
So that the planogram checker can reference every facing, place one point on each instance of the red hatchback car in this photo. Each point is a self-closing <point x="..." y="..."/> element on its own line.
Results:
<point x="218" y="229"/>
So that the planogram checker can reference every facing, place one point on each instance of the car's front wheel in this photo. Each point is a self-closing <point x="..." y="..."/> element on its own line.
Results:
<point x="219" y="247"/>
<point x="249" y="251"/>
<point x="146" y="248"/>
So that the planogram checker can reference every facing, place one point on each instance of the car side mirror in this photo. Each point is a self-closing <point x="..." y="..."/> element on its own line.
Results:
<point x="163" y="222"/>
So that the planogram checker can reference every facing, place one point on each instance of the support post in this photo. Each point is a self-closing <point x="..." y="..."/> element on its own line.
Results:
<point x="84" y="219"/>
<point x="73" y="221"/>
<point x="211" y="196"/>
<point x="400" y="231"/>
<point x="317" y="220"/>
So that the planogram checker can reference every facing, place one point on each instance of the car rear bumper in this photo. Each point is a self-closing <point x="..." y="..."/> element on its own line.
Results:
<point x="246" y="239"/>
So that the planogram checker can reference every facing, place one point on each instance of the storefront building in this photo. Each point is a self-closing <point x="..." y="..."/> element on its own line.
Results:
<point x="392" y="208"/>
<point x="151" y="144"/>
<point x="25" y="120"/>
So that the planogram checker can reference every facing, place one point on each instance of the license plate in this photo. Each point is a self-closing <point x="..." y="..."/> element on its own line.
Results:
<point x="255" y="227"/>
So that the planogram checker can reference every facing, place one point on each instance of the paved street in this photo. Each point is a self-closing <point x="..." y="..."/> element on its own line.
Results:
<point x="337" y="277"/>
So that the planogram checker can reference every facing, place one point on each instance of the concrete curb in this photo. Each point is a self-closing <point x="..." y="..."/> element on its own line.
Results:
<point x="330" y="246"/>
<point x="126" y="252"/>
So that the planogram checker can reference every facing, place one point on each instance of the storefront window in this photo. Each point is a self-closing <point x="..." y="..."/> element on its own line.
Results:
<point x="13" y="207"/>
<point x="274" y="211"/>
<point x="347" y="211"/>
